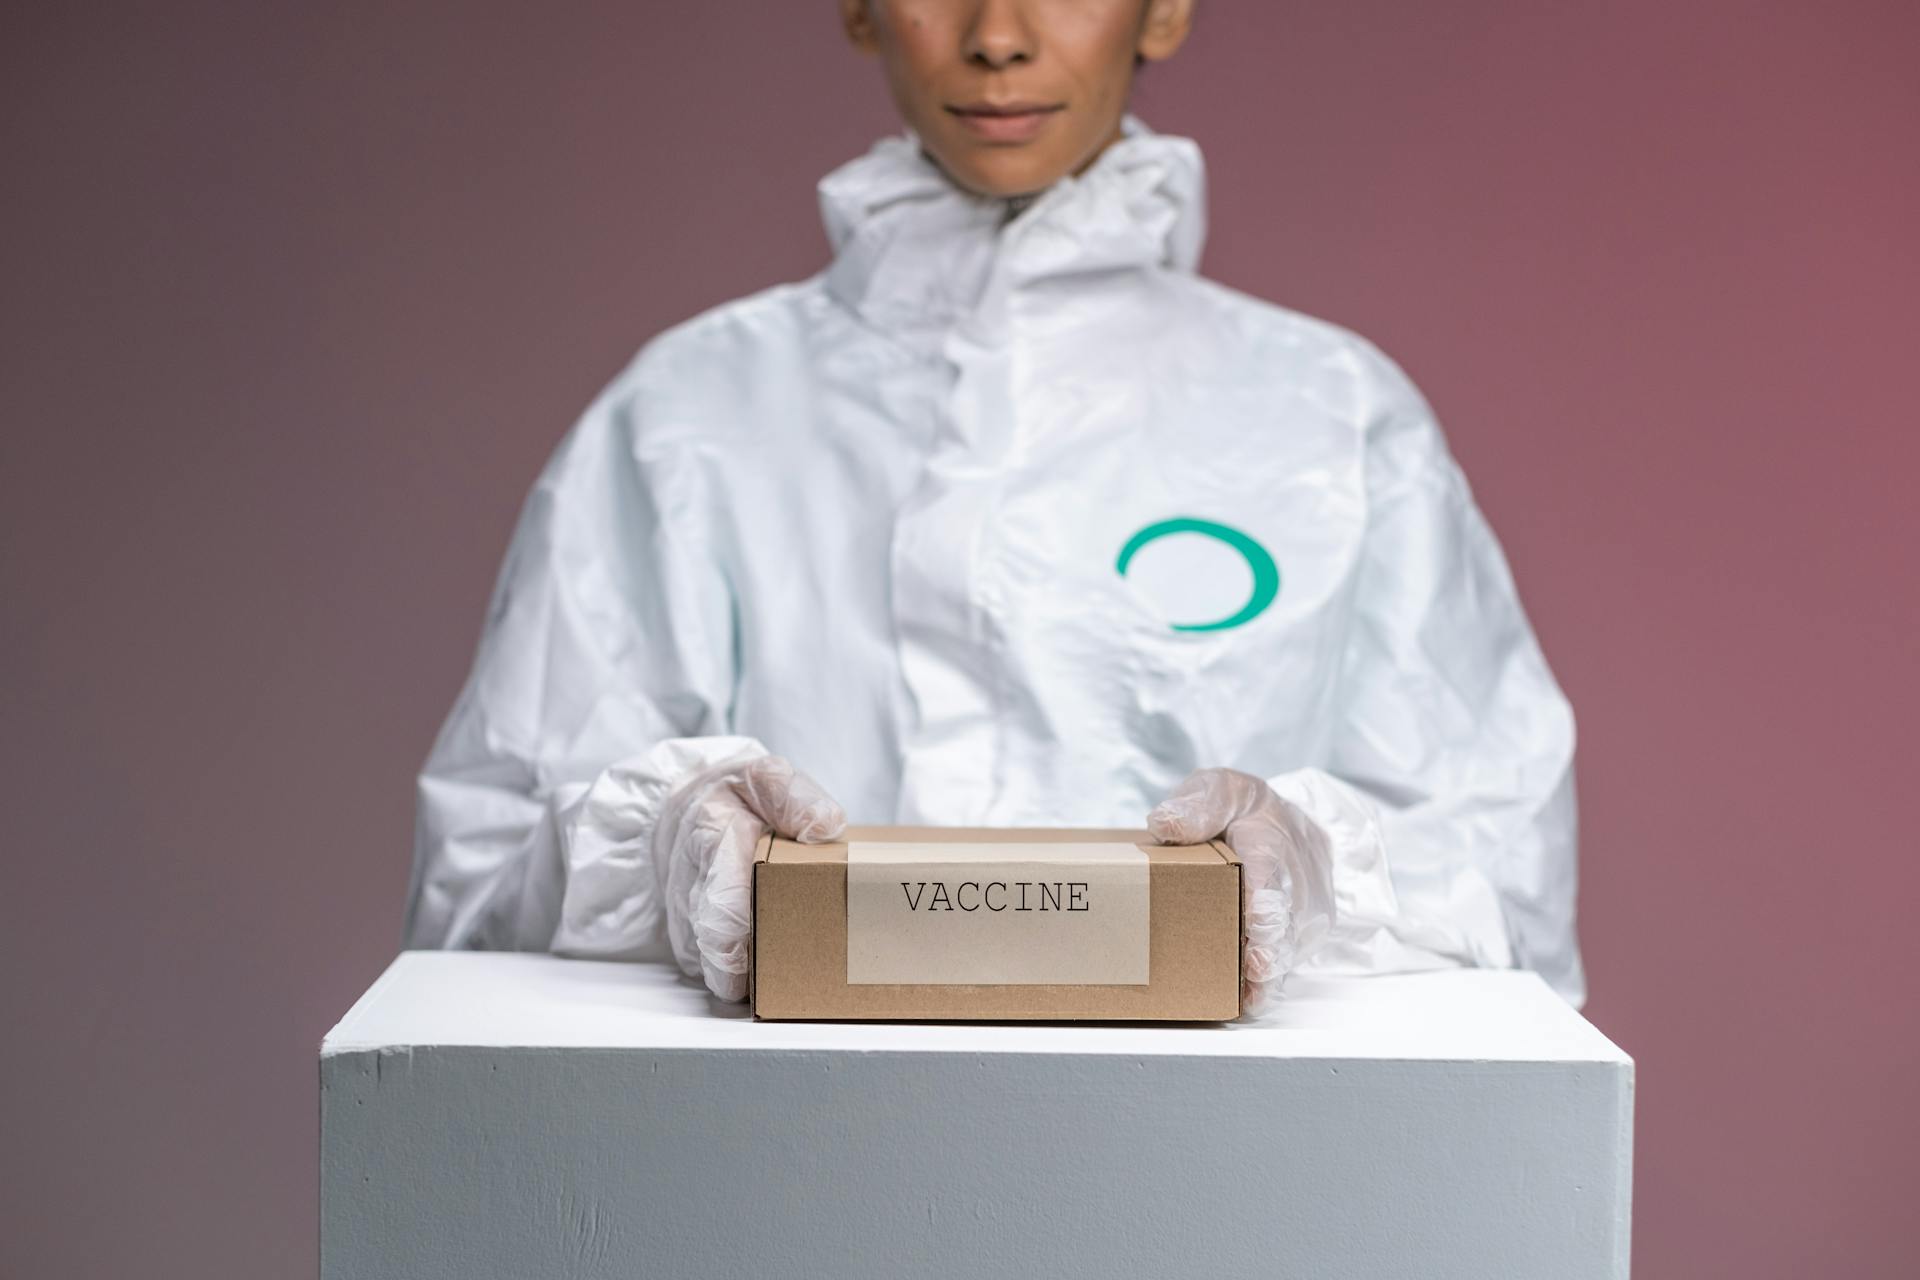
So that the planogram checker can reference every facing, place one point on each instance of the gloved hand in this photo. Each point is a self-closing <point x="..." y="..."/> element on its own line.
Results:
<point x="703" y="858"/>
<point x="1287" y="868"/>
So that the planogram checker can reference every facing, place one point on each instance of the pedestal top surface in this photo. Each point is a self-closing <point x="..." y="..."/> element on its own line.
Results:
<point x="498" y="1000"/>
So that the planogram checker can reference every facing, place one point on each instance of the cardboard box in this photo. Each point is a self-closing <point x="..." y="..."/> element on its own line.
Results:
<point x="963" y="924"/>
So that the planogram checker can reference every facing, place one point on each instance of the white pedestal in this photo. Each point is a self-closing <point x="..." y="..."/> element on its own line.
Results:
<point x="498" y="1115"/>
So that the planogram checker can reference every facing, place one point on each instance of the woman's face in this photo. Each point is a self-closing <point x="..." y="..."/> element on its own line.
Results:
<point x="1009" y="96"/>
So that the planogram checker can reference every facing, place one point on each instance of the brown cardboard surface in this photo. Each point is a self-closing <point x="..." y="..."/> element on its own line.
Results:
<point x="799" y="961"/>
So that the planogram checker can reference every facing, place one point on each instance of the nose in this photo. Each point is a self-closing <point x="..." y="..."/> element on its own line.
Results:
<point x="999" y="35"/>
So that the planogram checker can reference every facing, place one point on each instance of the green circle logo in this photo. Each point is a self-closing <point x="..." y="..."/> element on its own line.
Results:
<point x="1266" y="574"/>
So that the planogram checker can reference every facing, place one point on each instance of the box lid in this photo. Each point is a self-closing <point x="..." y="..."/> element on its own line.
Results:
<point x="776" y="849"/>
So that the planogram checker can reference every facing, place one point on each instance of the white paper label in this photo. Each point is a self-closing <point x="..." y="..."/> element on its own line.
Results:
<point x="1002" y="914"/>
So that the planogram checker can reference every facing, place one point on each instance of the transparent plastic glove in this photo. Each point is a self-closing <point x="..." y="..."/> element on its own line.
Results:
<point x="703" y="858"/>
<point x="1287" y="865"/>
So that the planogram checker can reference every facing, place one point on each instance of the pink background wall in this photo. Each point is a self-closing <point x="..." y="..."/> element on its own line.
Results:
<point x="294" y="300"/>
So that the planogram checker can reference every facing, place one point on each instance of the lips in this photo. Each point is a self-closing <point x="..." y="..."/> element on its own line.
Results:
<point x="1005" y="121"/>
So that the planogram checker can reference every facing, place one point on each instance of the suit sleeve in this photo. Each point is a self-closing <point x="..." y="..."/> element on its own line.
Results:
<point x="1452" y="770"/>
<point x="609" y="632"/>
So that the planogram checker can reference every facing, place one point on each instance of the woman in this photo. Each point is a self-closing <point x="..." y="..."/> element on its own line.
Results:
<point x="1008" y="518"/>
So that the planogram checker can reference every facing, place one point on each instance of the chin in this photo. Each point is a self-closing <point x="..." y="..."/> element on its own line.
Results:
<point x="1007" y="173"/>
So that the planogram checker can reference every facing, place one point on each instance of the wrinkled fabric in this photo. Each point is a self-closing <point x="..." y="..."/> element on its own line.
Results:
<point x="1008" y="517"/>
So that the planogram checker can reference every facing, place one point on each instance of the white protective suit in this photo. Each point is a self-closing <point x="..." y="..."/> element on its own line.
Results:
<point x="1009" y="518"/>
